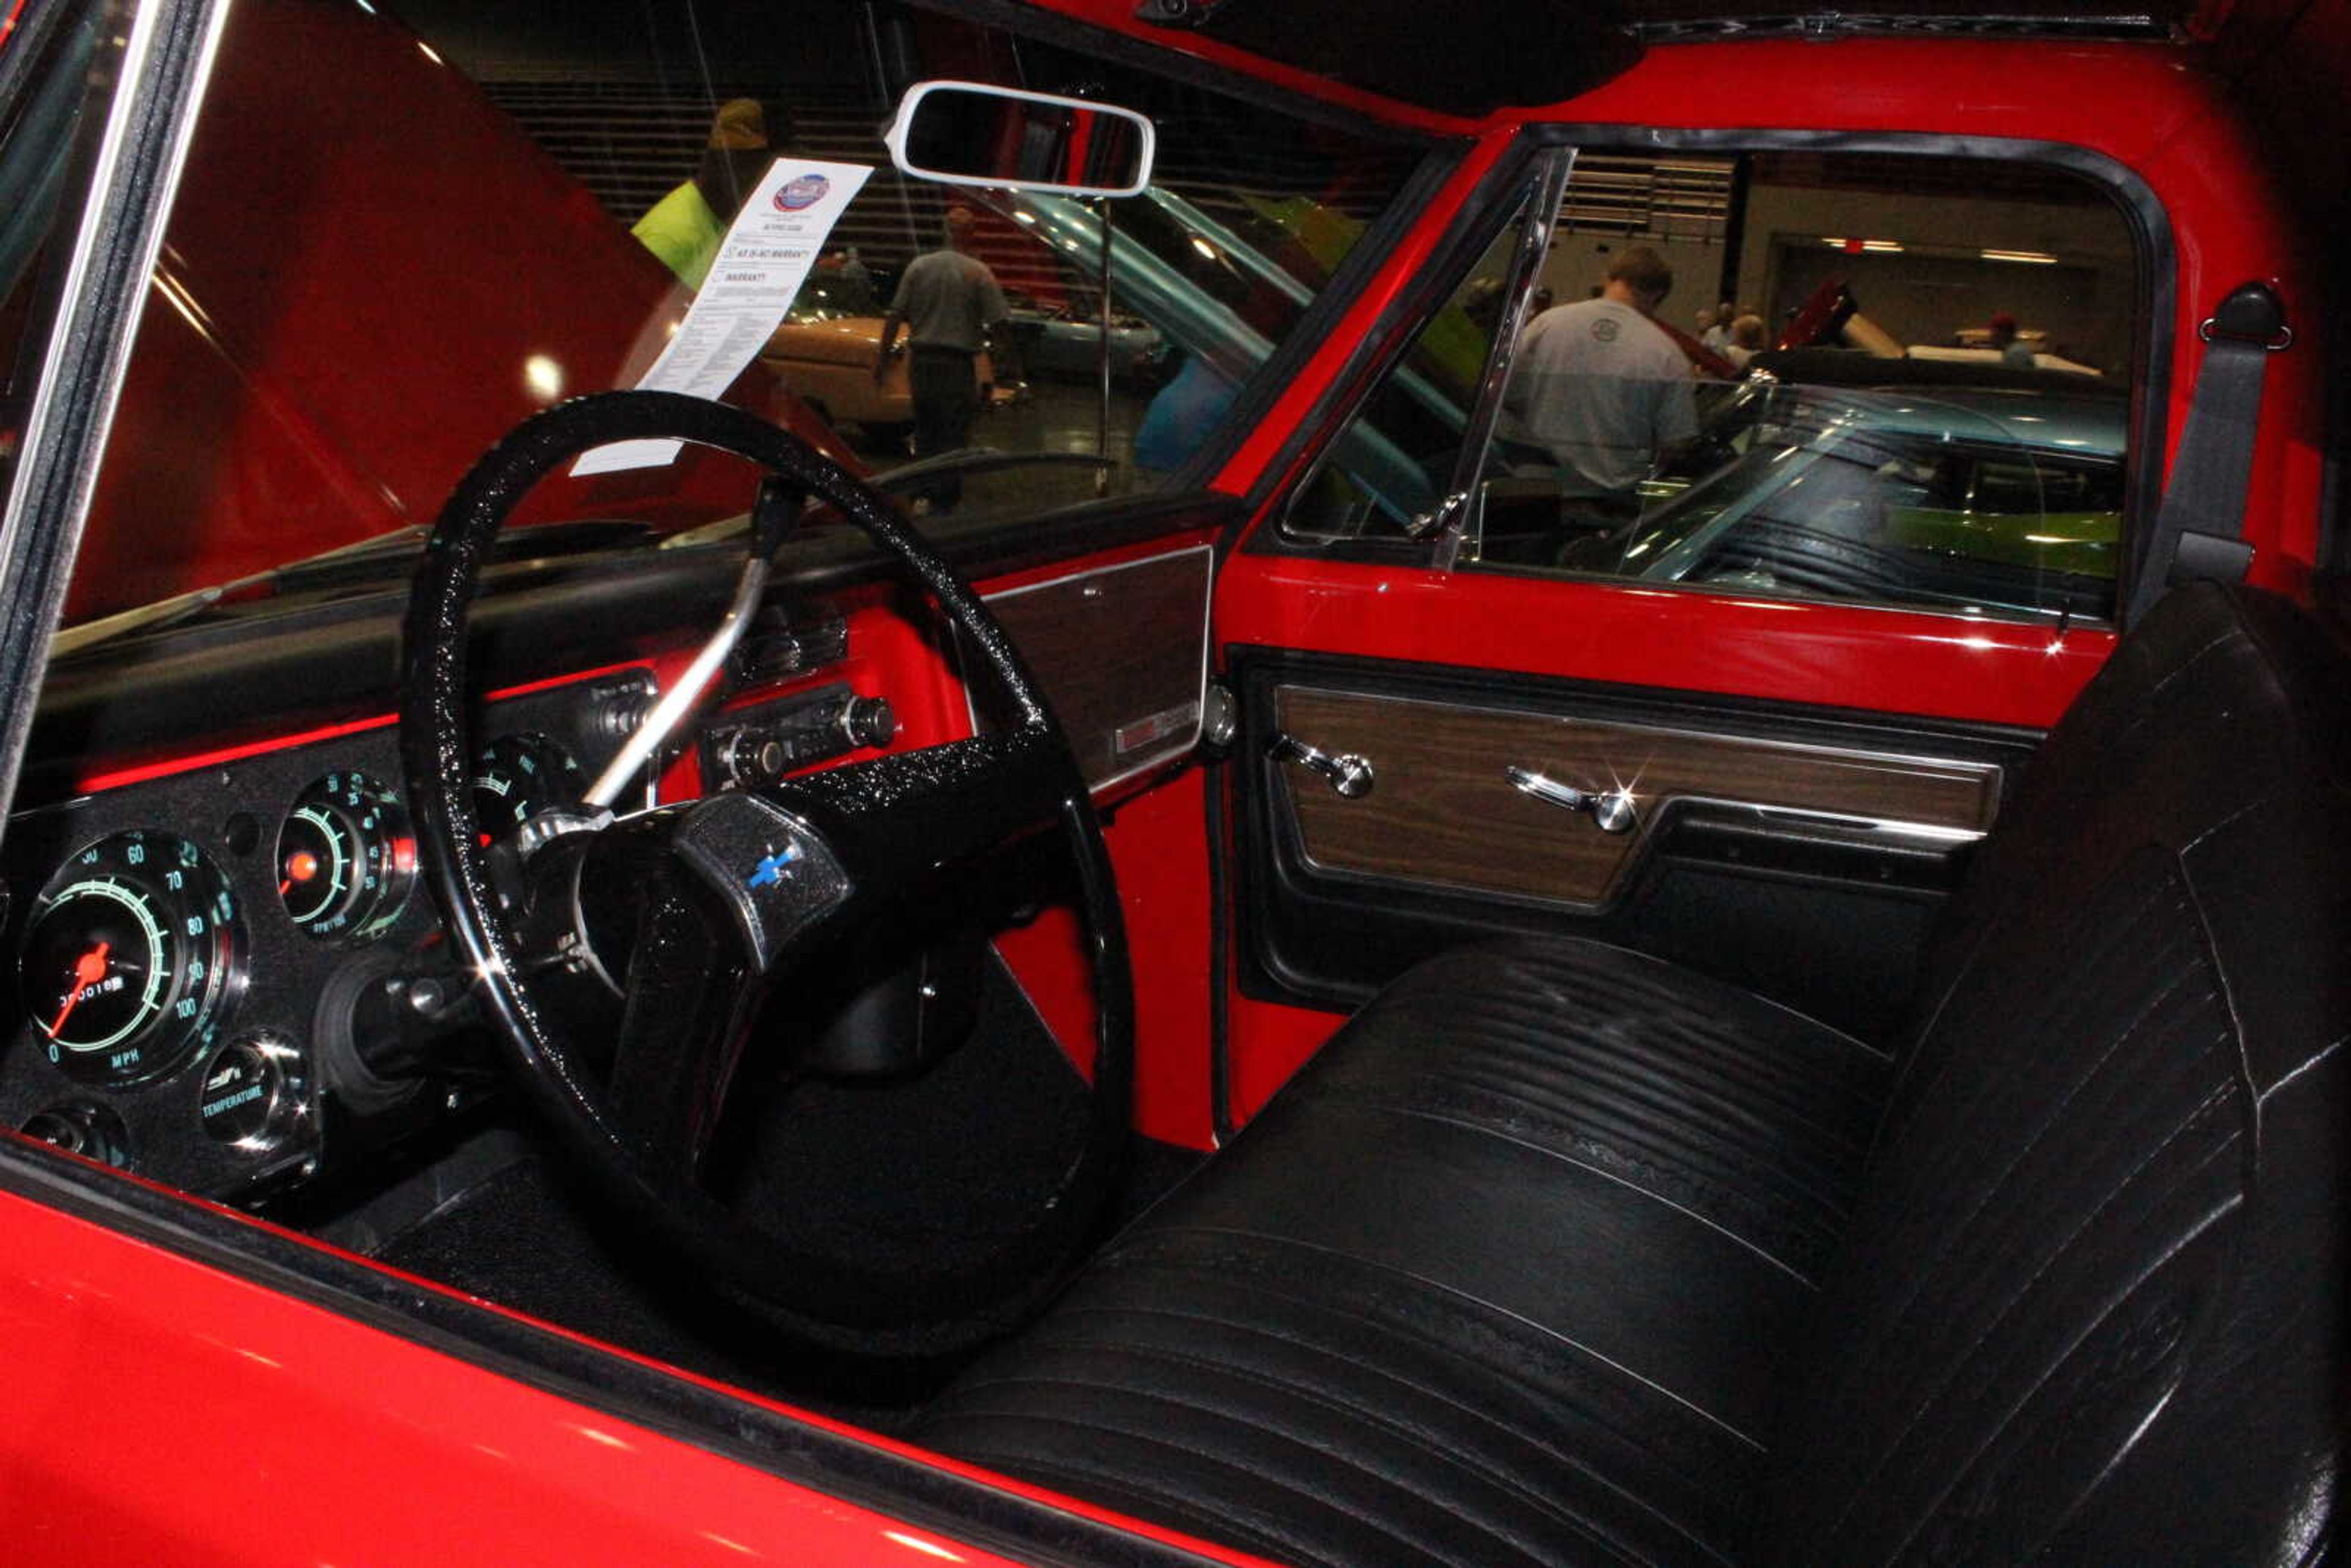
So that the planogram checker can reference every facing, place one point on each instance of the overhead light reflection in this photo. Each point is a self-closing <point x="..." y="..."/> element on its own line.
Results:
<point x="543" y="377"/>
<point x="917" y="1543"/>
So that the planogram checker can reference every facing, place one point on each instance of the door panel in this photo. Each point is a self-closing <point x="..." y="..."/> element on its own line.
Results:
<point x="1799" y="850"/>
<point x="1443" y="811"/>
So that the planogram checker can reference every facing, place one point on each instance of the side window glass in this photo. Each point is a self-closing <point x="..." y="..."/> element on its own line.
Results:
<point x="1389" y="468"/>
<point x="1892" y="379"/>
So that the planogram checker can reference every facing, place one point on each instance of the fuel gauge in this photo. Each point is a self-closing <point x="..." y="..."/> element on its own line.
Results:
<point x="519" y="775"/>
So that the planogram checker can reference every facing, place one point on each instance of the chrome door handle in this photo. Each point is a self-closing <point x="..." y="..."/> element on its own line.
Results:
<point x="1350" y="775"/>
<point x="1613" y="812"/>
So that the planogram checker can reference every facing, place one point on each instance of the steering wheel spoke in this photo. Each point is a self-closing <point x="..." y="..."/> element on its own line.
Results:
<point x="908" y="815"/>
<point x="686" y="1012"/>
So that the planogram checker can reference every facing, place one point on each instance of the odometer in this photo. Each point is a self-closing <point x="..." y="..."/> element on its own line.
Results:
<point x="129" y="957"/>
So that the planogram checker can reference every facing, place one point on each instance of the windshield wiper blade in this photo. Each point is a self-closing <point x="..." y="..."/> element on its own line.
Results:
<point x="187" y="606"/>
<point x="329" y="567"/>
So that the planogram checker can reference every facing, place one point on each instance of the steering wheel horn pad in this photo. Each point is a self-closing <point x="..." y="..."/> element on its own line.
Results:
<point x="774" y="876"/>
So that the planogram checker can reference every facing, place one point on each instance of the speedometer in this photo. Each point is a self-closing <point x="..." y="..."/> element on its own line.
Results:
<point x="130" y="959"/>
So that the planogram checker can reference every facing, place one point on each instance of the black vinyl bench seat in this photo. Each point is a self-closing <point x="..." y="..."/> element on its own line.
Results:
<point x="1559" y="1254"/>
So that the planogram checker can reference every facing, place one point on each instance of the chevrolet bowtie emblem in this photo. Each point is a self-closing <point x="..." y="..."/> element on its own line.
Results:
<point x="771" y="870"/>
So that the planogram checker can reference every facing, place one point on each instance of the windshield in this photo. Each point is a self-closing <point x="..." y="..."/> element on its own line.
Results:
<point x="366" y="282"/>
<point x="45" y="84"/>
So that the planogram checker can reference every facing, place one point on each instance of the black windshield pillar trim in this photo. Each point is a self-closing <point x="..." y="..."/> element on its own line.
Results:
<point x="159" y="68"/>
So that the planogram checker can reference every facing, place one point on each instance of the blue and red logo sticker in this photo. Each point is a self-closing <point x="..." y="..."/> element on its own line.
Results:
<point x="803" y="191"/>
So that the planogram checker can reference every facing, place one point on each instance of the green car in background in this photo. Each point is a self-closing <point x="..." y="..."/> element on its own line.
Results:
<point x="1894" y="481"/>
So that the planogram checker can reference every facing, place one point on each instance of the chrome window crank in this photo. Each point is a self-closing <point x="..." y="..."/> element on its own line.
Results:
<point x="1350" y="775"/>
<point x="1613" y="811"/>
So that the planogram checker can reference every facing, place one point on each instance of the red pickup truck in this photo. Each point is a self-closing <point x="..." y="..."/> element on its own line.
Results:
<point x="1424" y="937"/>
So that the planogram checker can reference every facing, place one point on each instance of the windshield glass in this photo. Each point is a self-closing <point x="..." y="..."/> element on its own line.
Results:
<point x="366" y="282"/>
<point x="45" y="102"/>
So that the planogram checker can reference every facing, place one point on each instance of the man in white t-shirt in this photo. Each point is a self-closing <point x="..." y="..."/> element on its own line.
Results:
<point x="1599" y="387"/>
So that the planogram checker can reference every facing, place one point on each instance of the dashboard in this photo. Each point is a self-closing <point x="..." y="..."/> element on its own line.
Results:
<point x="223" y="969"/>
<point x="227" y="973"/>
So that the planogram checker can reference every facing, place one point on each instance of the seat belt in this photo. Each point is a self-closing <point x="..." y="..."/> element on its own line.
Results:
<point x="2198" y="527"/>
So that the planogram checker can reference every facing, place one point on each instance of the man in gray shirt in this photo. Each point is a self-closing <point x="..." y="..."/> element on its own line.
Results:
<point x="951" y="306"/>
<point x="1599" y="387"/>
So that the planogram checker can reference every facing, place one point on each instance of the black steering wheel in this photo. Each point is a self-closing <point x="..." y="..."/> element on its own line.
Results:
<point x="728" y="892"/>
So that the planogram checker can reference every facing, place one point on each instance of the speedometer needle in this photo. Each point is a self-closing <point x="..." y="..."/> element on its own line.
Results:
<point x="88" y="970"/>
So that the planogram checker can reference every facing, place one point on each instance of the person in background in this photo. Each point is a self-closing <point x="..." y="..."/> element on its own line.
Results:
<point x="857" y="279"/>
<point x="685" y="228"/>
<point x="952" y="309"/>
<point x="1716" y="334"/>
<point x="1599" y="387"/>
<point x="1708" y="325"/>
<point x="2012" y="351"/>
<point x="1747" y="339"/>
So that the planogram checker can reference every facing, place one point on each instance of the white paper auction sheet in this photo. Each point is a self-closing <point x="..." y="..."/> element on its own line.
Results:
<point x="761" y="264"/>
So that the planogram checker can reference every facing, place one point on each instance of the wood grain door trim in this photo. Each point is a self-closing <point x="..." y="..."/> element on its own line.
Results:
<point x="1122" y="651"/>
<point x="1441" y="814"/>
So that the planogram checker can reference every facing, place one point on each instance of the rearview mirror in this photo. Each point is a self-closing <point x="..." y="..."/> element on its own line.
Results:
<point x="970" y="133"/>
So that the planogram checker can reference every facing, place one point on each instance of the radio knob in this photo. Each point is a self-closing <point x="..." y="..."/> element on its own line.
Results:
<point x="749" y="757"/>
<point x="868" y="721"/>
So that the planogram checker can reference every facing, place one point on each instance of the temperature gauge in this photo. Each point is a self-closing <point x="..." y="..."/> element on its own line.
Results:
<point x="346" y="859"/>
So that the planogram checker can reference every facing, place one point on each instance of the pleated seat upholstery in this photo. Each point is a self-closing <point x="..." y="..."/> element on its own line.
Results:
<point x="1557" y="1254"/>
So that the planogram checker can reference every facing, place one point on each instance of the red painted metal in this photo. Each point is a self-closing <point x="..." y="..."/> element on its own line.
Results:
<point x="1894" y="660"/>
<point x="166" y="1412"/>
<point x="171" y="1413"/>
<point x="1157" y="846"/>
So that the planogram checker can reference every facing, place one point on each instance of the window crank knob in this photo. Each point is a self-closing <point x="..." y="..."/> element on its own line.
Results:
<point x="1348" y="774"/>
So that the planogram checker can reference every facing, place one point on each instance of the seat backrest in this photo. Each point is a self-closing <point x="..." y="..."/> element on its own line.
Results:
<point x="2092" y="1308"/>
